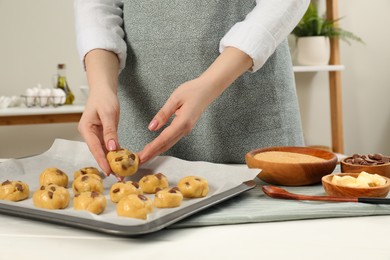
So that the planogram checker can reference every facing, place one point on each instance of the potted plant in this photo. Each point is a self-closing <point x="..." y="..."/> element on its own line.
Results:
<point x="313" y="33"/>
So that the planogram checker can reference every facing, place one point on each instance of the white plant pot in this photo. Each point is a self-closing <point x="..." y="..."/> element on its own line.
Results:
<point x="313" y="51"/>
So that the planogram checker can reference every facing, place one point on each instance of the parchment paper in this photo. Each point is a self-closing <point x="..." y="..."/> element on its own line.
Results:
<point x="70" y="156"/>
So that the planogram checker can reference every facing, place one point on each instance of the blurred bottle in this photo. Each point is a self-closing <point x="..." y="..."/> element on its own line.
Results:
<point x="62" y="83"/>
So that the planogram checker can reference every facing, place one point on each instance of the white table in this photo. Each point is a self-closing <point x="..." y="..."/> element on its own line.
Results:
<point x="339" y="238"/>
<point x="38" y="115"/>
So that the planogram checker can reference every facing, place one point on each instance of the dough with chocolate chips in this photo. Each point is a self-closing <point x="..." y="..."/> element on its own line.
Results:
<point x="123" y="162"/>
<point x="153" y="182"/>
<point x="193" y="187"/>
<point x="168" y="198"/>
<point x="51" y="196"/>
<point x="86" y="170"/>
<point x="91" y="201"/>
<point x="88" y="182"/>
<point x="134" y="206"/>
<point x="53" y="175"/>
<point x="14" y="190"/>
<point x="122" y="189"/>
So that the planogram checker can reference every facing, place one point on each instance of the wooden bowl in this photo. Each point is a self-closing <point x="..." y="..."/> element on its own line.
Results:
<point x="292" y="173"/>
<point x="353" y="192"/>
<point x="381" y="169"/>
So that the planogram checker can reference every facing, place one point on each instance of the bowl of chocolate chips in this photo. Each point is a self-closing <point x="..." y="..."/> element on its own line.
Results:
<point x="371" y="163"/>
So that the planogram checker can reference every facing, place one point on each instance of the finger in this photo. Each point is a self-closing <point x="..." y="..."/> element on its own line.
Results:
<point x="169" y="137"/>
<point x="97" y="148"/>
<point x="110" y="134"/>
<point x="163" y="115"/>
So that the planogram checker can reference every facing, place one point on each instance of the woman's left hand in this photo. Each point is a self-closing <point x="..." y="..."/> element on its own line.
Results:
<point x="187" y="103"/>
<point x="191" y="98"/>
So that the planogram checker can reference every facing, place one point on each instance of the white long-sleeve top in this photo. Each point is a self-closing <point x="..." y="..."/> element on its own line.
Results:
<point x="99" y="26"/>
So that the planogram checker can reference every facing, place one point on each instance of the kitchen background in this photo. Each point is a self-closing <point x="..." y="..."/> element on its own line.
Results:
<point x="37" y="35"/>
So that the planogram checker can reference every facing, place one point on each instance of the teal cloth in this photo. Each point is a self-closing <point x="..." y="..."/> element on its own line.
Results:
<point x="254" y="207"/>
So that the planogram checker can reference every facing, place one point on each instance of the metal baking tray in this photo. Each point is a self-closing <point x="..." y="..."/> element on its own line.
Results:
<point x="225" y="181"/>
<point x="118" y="229"/>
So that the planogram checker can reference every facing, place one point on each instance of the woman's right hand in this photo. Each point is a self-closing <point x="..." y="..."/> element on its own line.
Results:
<point x="98" y="126"/>
<point x="99" y="122"/>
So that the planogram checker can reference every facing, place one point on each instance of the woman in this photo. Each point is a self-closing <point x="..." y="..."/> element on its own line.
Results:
<point x="199" y="80"/>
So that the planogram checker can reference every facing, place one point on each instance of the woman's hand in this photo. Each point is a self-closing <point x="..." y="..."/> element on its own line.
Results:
<point x="99" y="122"/>
<point x="187" y="103"/>
<point x="190" y="99"/>
<point x="98" y="126"/>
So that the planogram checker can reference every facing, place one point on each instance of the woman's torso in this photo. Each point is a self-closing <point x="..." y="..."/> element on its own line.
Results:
<point x="171" y="42"/>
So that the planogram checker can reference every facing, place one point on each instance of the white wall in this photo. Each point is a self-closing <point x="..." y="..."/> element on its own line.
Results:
<point x="35" y="36"/>
<point x="366" y="83"/>
<point x="38" y="34"/>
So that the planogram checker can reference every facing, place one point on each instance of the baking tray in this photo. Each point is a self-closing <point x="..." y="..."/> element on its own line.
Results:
<point x="225" y="182"/>
<point x="124" y="230"/>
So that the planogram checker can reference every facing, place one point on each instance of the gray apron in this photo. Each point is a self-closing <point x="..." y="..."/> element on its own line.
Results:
<point x="172" y="41"/>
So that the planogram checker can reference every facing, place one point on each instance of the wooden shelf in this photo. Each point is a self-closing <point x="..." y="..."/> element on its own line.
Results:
<point x="318" y="68"/>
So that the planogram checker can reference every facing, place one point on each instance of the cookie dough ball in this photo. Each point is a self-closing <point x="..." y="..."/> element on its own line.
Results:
<point x="134" y="206"/>
<point x="55" y="176"/>
<point x="122" y="189"/>
<point x="51" y="196"/>
<point x="168" y="198"/>
<point x="86" y="170"/>
<point x="88" y="182"/>
<point x="14" y="190"/>
<point x="153" y="182"/>
<point x="91" y="201"/>
<point x="193" y="187"/>
<point x="123" y="162"/>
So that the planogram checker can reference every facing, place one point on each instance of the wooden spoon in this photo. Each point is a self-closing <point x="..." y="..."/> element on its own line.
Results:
<point x="279" y="193"/>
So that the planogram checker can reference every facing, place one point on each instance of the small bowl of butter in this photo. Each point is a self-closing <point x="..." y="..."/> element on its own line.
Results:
<point x="356" y="185"/>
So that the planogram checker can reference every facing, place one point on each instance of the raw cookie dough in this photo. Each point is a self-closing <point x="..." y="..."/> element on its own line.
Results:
<point x="193" y="187"/>
<point x="90" y="201"/>
<point x="122" y="189"/>
<point x="87" y="182"/>
<point x="14" y="190"/>
<point x="86" y="170"/>
<point x="168" y="198"/>
<point x="123" y="162"/>
<point x="53" y="175"/>
<point x="134" y="206"/>
<point x="51" y="196"/>
<point x="153" y="182"/>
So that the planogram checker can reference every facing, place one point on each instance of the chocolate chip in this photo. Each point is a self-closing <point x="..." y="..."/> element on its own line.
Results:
<point x="94" y="194"/>
<point x="76" y="195"/>
<point x="59" y="172"/>
<point x="159" y="175"/>
<point x="118" y="159"/>
<point x="135" y="184"/>
<point x="142" y="197"/>
<point x="116" y="190"/>
<point x="6" y="183"/>
<point x="42" y="187"/>
<point x="132" y="156"/>
<point x="124" y="167"/>
<point x="53" y="188"/>
<point x="197" y="179"/>
<point x="50" y="194"/>
<point x="172" y="191"/>
<point x="84" y="178"/>
<point x="19" y="187"/>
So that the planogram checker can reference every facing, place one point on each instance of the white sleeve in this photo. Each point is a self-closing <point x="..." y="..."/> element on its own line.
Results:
<point x="99" y="26"/>
<point x="264" y="28"/>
